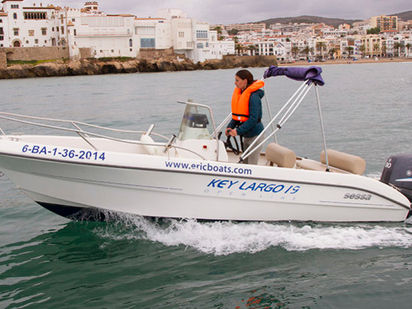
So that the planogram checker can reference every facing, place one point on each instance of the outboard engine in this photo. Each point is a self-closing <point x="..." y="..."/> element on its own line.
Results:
<point x="398" y="172"/>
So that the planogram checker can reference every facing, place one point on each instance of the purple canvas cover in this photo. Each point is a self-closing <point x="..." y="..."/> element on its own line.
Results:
<point x="312" y="73"/>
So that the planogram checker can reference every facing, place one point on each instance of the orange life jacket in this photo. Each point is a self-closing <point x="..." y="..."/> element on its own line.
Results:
<point x="240" y="101"/>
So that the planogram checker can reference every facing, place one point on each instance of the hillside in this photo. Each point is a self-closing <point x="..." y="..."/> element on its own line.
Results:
<point x="309" y="19"/>
<point x="326" y="20"/>
<point x="404" y="15"/>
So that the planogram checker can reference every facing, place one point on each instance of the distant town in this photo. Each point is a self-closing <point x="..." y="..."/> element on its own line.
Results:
<point x="35" y="30"/>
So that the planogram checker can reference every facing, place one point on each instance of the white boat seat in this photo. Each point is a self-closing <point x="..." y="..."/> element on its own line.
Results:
<point x="312" y="165"/>
<point x="344" y="161"/>
<point x="281" y="156"/>
<point x="149" y="149"/>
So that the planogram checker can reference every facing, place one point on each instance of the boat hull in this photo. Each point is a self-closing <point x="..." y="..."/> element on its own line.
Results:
<point x="160" y="187"/>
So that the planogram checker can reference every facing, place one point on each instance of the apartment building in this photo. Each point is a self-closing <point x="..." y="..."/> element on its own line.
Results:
<point x="246" y="27"/>
<point x="372" y="45"/>
<point x="385" y="23"/>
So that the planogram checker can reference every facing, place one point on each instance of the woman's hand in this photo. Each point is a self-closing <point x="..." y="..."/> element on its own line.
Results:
<point x="233" y="132"/>
<point x="227" y="131"/>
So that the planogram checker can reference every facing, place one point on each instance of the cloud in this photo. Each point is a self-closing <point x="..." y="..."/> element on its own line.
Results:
<point x="238" y="11"/>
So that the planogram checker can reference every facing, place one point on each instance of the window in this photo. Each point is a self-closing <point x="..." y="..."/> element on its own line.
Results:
<point x="31" y="32"/>
<point x="14" y="6"/>
<point x="16" y="31"/>
<point x="201" y="34"/>
<point x="36" y="41"/>
<point x="73" y="19"/>
<point x="62" y="29"/>
<point x="199" y="45"/>
<point x="181" y="34"/>
<point x="44" y="31"/>
<point x="15" y="15"/>
<point x="145" y="30"/>
<point x="1" y="20"/>
<point x="130" y="43"/>
<point x="35" y="15"/>
<point x="147" y="43"/>
<point x="74" y="32"/>
<point x="1" y="39"/>
<point x="1" y="30"/>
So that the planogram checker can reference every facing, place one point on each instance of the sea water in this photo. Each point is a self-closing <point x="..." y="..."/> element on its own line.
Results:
<point x="47" y="261"/>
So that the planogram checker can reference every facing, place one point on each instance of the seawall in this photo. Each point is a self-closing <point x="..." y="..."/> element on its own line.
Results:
<point x="113" y="66"/>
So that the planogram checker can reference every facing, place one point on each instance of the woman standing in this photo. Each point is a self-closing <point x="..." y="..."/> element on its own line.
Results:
<point x="247" y="112"/>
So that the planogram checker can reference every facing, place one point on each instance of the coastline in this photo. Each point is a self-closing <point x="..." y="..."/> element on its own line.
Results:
<point x="346" y="61"/>
<point x="117" y="66"/>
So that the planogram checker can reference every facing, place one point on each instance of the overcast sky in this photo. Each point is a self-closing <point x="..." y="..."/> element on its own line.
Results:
<point x="242" y="11"/>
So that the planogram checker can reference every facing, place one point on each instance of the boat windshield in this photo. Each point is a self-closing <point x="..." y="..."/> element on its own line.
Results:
<point x="196" y="123"/>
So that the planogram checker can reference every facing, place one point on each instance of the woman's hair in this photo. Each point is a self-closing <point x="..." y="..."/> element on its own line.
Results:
<point x="245" y="74"/>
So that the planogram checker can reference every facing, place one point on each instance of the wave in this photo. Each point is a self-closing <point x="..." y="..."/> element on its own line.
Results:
<point x="224" y="238"/>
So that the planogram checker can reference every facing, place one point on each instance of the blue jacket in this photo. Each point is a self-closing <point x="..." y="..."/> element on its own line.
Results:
<point x="253" y="126"/>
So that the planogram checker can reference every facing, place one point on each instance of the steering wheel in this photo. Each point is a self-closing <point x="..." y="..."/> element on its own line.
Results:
<point x="231" y="143"/>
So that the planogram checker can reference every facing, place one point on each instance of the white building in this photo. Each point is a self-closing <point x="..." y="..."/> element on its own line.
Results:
<point x="31" y="26"/>
<point x="194" y="39"/>
<point x="107" y="35"/>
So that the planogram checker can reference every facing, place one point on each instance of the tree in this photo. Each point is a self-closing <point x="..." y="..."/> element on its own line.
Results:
<point x="375" y="30"/>
<point x="332" y="53"/>
<point x="240" y="48"/>
<point x="252" y="49"/>
<point x="397" y="47"/>
<point x="306" y="51"/>
<point x="321" y="46"/>
<point x="218" y="29"/>
<point x="349" y="49"/>
<point x="362" y="49"/>
<point x="233" y="32"/>
<point x="376" y="49"/>
<point x="408" y="47"/>
<point x="295" y="51"/>
<point x="384" y="50"/>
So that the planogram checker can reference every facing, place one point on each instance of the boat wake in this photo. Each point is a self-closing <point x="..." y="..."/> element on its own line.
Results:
<point x="224" y="238"/>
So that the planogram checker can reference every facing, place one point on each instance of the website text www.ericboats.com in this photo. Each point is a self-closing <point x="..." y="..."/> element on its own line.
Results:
<point x="207" y="167"/>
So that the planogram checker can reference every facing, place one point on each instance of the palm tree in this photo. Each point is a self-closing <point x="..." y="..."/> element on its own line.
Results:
<point x="397" y="47"/>
<point x="295" y="51"/>
<point x="239" y="48"/>
<point x="252" y="49"/>
<point x="362" y="49"/>
<point x="384" y="50"/>
<point x="306" y="51"/>
<point x="320" y="46"/>
<point x="376" y="48"/>
<point x="332" y="52"/>
<point x="408" y="47"/>
<point x="350" y="50"/>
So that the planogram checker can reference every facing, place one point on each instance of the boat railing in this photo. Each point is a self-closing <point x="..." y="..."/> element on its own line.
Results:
<point x="287" y="110"/>
<point x="85" y="135"/>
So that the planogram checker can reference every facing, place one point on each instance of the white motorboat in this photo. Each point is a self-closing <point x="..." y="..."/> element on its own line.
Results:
<point x="193" y="174"/>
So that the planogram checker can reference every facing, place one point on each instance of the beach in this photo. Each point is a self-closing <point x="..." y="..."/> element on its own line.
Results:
<point x="346" y="61"/>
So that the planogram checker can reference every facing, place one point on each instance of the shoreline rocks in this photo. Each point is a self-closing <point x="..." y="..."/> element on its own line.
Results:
<point x="113" y="66"/>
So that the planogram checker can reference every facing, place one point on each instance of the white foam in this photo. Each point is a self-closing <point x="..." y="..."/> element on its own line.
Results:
<point x="223" y="238"/>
